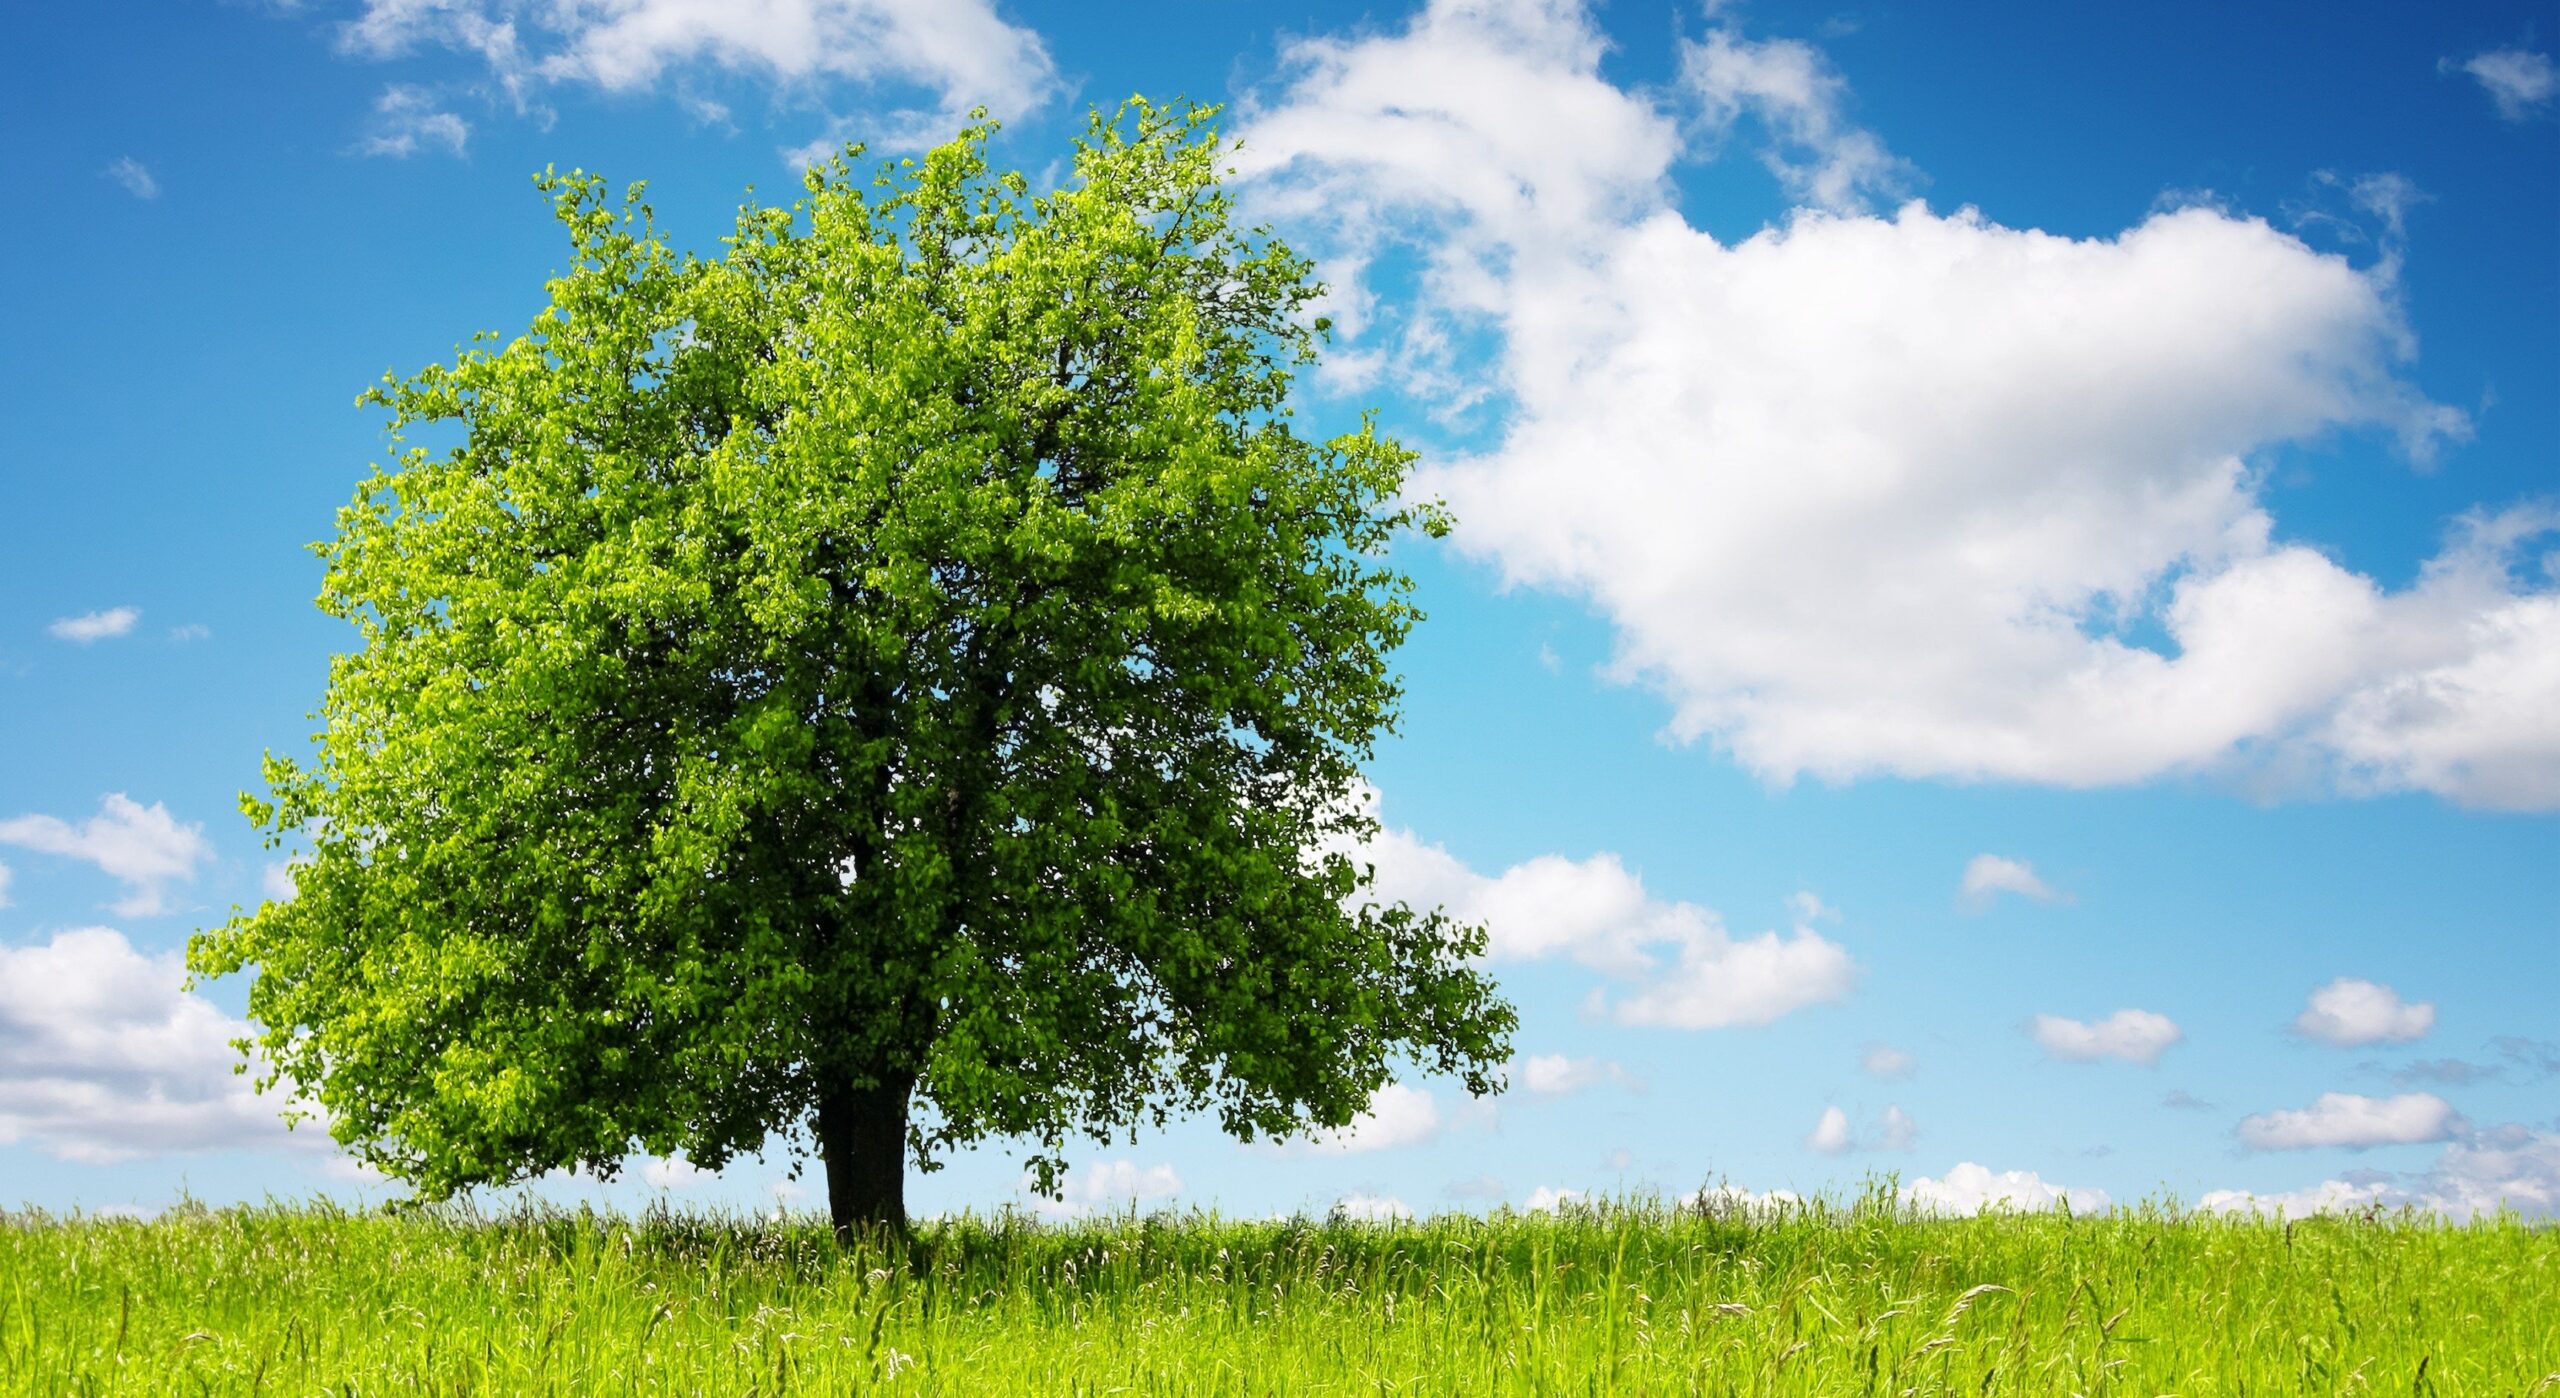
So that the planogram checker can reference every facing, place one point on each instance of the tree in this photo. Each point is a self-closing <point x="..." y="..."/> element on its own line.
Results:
<point x="904" y="679"/>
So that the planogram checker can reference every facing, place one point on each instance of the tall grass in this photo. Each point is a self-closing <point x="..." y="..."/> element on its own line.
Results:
<point x="1634" y="1298"/>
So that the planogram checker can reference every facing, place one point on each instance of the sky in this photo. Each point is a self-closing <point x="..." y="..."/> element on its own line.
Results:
<point x="2003" y="634"/>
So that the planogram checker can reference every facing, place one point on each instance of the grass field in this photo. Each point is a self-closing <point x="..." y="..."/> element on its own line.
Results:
<point x="1635" y="1299"/>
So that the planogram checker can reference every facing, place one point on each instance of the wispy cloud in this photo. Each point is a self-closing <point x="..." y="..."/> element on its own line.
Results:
<point x="408" y="119"/>
<point x="931" y="59"/>
<point x="95" y="626"/>
<point x="1987" y="876"/>
<point x="1822" y="157"/>
<point x="2520" y="81"/>
<point x="134" y="176"/>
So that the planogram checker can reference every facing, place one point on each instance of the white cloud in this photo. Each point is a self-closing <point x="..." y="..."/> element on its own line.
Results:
<point x="95" y="626"/>
<point x="1922" y="495"/>
<point x="2519" y="80"/>
<point x="1721" y="981"/>
<point x="1398" y="1115"/>
<point x="1547" y="1199"/>
<point x="1555" y="1075"/>
<point x="1885" y="1061"/>
<point x="407" y="119"/>
<point x="1971" y="1188"/>
<point x="2331" y="1196"/>
<point x="2349" y="1012"/>
<point x="960" y="53"/>
<point x="191" y="631"/>
<point x="134" y="176"/>
<point x="1123" y="1181"/>
<point x="144" y="847"/>
<point x="674" y="1172"/>
<point x="2512" y="1167"/>
<point x="1987" y="876"/>
<point x="2505" y="1168"/>
<point x="105" y="1056"/>
<point x="1106" y="1186"/>
<point x="1796" y="94"/>
<point x="1832" y="1135"/>
<point x="1372" y="1208"/>
<point x="2134" y="1036"/>
<point x="276" y="881"/>
<point x="2354" y="1122"/>
<point x="1488" y="109"/>
<point x="5" y="876"/>
<point x="1687" y="971"/>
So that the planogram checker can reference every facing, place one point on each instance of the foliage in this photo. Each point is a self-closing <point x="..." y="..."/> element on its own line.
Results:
<point x="1623" y="1299"/>
<point x="910" y="656"/>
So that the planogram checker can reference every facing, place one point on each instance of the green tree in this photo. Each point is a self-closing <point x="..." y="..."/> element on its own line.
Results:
<point x="901" y="681"/>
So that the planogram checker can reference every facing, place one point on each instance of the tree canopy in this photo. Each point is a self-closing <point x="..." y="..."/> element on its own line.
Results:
<point x="900" y="681"/>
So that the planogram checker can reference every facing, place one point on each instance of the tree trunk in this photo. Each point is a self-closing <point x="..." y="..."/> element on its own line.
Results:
<point x="862" y="1137"/>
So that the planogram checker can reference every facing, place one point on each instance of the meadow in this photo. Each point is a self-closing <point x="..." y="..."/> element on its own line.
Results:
<point x="1863" y="1297"/>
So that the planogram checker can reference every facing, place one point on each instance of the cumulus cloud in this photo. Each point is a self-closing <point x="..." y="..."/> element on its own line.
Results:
<point x="1895" y="1130"/>
<point x="2348" y="1013"/>
<point x="1986" y="876"/>
<point x="1556" y="1075"/>
<point x="1684" y="968"/>
<point x="956" y="53"/>
<point x="143" y="847"/>
<point x="105" y="1056"/>
<point x="407" y="119"/>
<point x="1918" y="495"/>
<point x="1398" y="1115"/>
<point x="2354" y="1122"/>
<point x="1830" y="1135"/>
<point x="2514" y="1168"/>
<point x="1971" y="1188"/>
<point x="134" y="176"/>
<point x="1547" y="1199"/>
<point x="95" y="626"/>
<point x="2519" y="80"/>
<point x="2133" y="1036"/>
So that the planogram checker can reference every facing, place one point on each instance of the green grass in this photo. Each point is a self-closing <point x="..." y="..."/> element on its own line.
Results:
<point x="1633" y="1299"/>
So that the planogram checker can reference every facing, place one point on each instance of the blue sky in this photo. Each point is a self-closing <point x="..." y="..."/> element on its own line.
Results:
<point x="2004" y="629"/>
